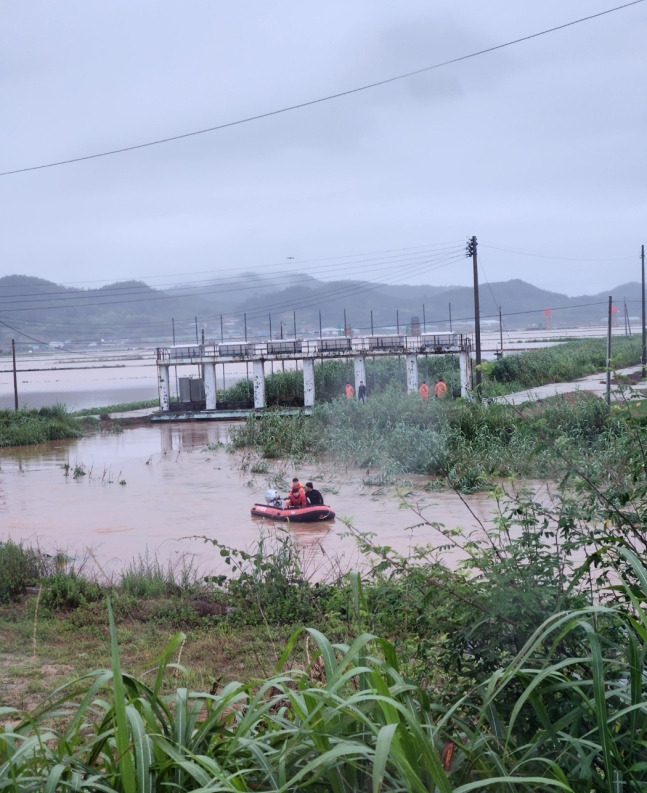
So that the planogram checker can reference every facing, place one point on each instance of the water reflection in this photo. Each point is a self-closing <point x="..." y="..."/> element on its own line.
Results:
<point x="190" y="435"/>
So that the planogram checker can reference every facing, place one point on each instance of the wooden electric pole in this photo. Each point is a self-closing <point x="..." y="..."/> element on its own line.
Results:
<point x="15" y="378"/>
<point x="471" y="251"/>
<point x="609" y="331"/>
<point x="643" y="360"/>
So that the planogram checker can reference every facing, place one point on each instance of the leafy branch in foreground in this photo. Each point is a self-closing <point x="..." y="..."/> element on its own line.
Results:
<point x="350" y="721"/>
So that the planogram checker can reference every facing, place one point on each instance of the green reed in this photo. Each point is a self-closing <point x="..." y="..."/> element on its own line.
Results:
<point x="350" y="721"/>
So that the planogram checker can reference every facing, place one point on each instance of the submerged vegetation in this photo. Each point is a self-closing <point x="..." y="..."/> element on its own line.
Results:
<point x="468" y="442"/>
<point x="25" y="427"/>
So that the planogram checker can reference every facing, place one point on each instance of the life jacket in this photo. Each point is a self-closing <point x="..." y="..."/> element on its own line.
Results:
<point x="297" y="497"/>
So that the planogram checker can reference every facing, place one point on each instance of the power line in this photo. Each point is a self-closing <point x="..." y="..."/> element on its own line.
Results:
<point x="295" y="262"/>
<point x="289" y="305"/>
<point x="561" y="258"/>
<point x="319" y="100"/>
<point x="221" y="284"/>
<point x="466" y="318"/>
<point x="284" y="304"/>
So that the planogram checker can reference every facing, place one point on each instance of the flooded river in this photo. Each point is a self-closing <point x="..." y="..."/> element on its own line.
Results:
<point x="151" y="489"/>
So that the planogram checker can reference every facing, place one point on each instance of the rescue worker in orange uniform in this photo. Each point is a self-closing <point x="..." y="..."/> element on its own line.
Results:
<point x="296" y="483"/>
<point x="424" y="392"/>
<point x="349" y="391"/>
<point x="297" y="498"/>
<point x="440" y="390"/>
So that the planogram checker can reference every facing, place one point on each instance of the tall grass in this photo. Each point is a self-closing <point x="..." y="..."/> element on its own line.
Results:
<point x="469" y="442"/>
<point x="349" y="721"/>
<point x="27" y="427"/>
<point x="286" y="387"/>
<point x="563" y="362"/>
<point x="20" y="567"/>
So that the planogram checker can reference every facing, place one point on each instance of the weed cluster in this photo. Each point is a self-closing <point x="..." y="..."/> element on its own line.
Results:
<point x="469" y="442"/>
<point x="20" y="567"/>
<point x="27" y="427"/>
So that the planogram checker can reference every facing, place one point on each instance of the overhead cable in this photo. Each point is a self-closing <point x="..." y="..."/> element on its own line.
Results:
<point x="321" y="99"/>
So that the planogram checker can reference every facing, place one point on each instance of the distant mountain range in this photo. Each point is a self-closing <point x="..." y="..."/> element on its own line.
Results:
<point x="35" y="311"/>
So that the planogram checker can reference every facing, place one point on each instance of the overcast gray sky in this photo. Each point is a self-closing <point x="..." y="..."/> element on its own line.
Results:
<point x="538" y="149"/>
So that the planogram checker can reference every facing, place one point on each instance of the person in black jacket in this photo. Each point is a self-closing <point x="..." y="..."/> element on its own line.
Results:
<point x="313" y="497"/>
<point x="361" y="392"/>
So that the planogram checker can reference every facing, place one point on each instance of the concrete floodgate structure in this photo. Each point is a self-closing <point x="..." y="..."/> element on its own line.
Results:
<point x="306" y="351"/>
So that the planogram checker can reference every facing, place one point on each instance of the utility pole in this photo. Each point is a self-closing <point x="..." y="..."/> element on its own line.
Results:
<point x="500" y="333"/>
<point x="609" y="352"/>
<point x="177" y="386"/>
<point x="471" y="251"/>
<point x="15" y="379"/>
<point x="643" y="360"/>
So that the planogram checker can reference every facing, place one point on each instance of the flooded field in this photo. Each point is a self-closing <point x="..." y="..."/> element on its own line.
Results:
<point x="150" y="490"/>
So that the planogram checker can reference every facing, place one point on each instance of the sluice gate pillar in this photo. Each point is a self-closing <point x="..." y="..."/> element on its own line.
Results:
<point x="308" y="382"/>
<point x="466" y="381"/>
<point x="259" y="384"/>
<point x="359" y="364"/>
<point x="163" y="386"/>
<point x="412" y="373"/>
<point x="210" y="385"/>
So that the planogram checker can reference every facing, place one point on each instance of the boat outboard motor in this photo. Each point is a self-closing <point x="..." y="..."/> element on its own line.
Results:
<point x="273" y="499"/>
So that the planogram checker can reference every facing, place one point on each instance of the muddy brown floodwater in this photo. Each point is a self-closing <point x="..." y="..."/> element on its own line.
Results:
<point x="151" y="489"/>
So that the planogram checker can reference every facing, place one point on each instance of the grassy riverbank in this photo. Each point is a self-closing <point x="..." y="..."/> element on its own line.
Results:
<point x="520" y="669"/>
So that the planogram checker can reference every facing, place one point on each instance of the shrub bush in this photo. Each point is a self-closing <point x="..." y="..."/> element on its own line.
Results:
<point x="19" y="567"/>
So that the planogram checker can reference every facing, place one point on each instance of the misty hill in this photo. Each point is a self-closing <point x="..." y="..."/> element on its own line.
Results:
<point x="40" y="310"/>
<point x="365" y="305"/>
<point x="35" y="310"/>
